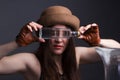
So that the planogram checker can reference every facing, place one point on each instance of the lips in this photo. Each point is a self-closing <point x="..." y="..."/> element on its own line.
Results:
<point x="58" y="46"/>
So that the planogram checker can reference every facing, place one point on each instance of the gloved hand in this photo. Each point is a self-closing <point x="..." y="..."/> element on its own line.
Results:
<point x="25" y="36"/>
<point x="90" y="34"/>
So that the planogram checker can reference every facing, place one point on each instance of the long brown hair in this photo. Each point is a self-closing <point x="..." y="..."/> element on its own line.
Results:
<point x="49" y="68"/>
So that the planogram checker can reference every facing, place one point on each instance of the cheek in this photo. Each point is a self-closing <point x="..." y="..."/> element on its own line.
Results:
<point x="65" y="42"/>
<point x="51" y="41"/>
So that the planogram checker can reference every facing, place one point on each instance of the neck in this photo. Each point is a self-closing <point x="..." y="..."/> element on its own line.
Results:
<point x="58" y="61"/>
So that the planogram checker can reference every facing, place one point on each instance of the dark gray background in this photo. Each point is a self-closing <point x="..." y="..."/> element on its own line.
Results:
<point x="15" y="13"/>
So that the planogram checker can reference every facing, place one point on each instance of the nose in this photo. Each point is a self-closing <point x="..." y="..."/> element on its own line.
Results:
<point x="58" y="39"/>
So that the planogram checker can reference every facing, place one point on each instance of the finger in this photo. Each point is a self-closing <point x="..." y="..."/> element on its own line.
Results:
<point x="88" y="27"/>
<point x="94" y="24"/>
<point x="81" y="36"/>
<point x="38" y="25"/>
<point x="82" y="29"/>
<point x="30" y="28"/>
<point x="41" y="40"/>
<point x="35" y="26"/>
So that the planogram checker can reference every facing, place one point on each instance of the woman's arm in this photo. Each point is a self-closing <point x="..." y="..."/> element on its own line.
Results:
<point x="89" y="54"/>
<point x="8" y="47"/>
<point x="109" y="43"/>
<point x="90" y="34"/>
<point x="86" y="55"/>
<point x="24" y="38"/>
<point x="22" y="61"/>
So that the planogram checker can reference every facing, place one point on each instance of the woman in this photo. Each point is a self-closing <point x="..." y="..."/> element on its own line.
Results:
<point x="55" y="59"/>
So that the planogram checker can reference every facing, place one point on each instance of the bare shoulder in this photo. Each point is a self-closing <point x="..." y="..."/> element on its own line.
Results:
<point x="84" y="50"/>
<point x="23" y="56"/>
<point x="29" y="58"/>
<point x="20" y="62"/>
<point x="32" y="63"/>
<point x="80" y="49"/>
<point x="86" y="54"/>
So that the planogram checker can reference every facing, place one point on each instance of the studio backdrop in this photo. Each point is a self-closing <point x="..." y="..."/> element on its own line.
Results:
<point x="14" y="14"/>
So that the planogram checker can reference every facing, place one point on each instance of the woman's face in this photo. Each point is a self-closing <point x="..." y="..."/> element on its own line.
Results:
<point x="58" y="45"/>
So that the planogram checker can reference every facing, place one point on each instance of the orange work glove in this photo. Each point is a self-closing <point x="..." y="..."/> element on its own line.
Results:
<point x="91" y="35"/>
<point x="25" y="37"/>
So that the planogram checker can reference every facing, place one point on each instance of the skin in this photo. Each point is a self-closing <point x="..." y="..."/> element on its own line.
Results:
<point x="58" y="45"/>
<point x="27" y="63"/>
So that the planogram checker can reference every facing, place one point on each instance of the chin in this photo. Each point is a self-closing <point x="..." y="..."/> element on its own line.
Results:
<point x="58" y="52"/>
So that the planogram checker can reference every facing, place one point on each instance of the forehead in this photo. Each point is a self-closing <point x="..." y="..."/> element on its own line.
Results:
<point x="59" y="26"/>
